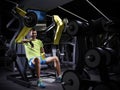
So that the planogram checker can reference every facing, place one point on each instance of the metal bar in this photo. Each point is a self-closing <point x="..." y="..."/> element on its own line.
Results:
<point x="72" y="14"/>
<point x="98" y="11"/>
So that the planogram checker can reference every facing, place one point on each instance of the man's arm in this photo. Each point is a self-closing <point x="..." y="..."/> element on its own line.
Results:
<point x="26" y="40"/>
<point x="42" y="52"/>
<point x="25" y="30"/>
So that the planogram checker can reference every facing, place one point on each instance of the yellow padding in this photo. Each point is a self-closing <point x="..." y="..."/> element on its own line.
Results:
<point x="60" y="27"/>
<point x="22" y="34"/>
<point x="20" y="11"/>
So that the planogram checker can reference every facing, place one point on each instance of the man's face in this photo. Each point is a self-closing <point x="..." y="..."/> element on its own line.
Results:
<point x="33" y="34"/>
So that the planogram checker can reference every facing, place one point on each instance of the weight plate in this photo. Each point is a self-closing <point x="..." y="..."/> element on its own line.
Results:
<point x="73" y="28"/>
<point x="92" y="58"/>
<point x="30" y="19"/>
<point x="70" y="80"/>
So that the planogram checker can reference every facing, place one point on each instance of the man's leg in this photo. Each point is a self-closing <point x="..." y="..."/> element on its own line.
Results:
<point x="36" y="61"/>
<point x="56" y="63"/>
<point x="37" y="66"/>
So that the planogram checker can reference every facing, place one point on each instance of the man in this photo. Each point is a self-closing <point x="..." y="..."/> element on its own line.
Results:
<point x="34" y="53"/>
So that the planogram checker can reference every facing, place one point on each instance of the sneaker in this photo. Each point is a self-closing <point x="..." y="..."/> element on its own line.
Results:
<point x="40" y="84"/>
<point x="58" y="80"/>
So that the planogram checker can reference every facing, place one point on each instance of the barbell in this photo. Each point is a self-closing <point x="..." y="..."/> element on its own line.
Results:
<point x="72" y="80"/>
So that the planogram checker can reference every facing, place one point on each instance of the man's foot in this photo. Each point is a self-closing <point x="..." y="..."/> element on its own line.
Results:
<point x="58" y="80"/>
<point x="41" y="84"/>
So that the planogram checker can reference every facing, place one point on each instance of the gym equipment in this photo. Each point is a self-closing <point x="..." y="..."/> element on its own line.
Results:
<point x="11" y="25"/>
<point x="73" y="80"/>
<point x="70" y="83"/>
<point x="25" y="29"/>
<point x="68" y="51"/>
<point x="60" y="27"/>
<point x="41" y="15"/>
<point x="84" y="20"/>
<point x="30" y="19"/>
<point x="22" y="34"/>
<point x="93" y="57"/>
<point x="107" y="24"/>
<point x="103" y="59"/>
<point x="75" y="27"/>
<point x="33" y="17"/>
<point x="111" y="56"/>
<point x="20" y="11"/>
<point x="99" y="11"/>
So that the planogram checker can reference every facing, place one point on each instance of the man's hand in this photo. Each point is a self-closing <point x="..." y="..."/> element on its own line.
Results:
<point x="43" y="55"/>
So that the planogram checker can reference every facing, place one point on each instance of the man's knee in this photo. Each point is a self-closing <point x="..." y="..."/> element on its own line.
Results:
<point x="56" y="58"/>
<point x="36" y="60"/>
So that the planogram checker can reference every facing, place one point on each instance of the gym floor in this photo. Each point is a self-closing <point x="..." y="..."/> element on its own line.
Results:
<point x="10" y="85"/>
<point x="6" y="84"/>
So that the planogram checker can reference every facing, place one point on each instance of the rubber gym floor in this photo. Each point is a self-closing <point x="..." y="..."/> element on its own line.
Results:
<point x="6" y="84"/>
<point x="10" y="85"/>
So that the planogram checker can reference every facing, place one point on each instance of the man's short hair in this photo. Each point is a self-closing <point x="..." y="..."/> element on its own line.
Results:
<point x="33" y="29"/>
